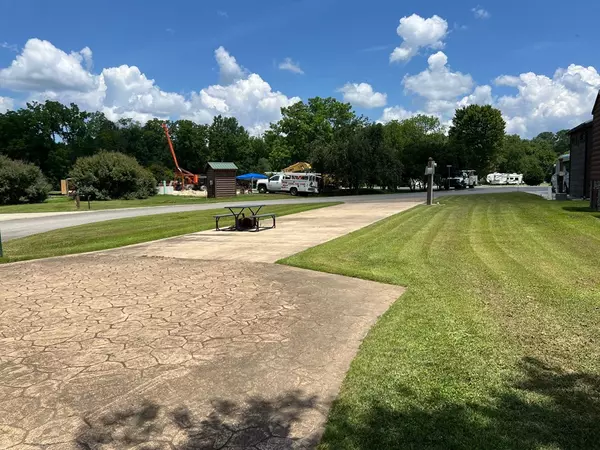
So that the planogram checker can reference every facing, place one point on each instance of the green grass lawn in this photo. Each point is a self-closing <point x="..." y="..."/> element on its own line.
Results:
<point x="120" y="232"/>
<point x="495" y="343"/>
<point x="63" y="204"/>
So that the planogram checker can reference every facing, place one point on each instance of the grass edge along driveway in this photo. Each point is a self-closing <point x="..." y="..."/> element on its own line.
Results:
<point x="495" y="343"/>
<point x="65" y="204"/>
<point x="122" y="232"/>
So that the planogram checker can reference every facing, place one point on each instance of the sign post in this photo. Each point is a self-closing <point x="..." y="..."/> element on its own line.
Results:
<point x="429" y="172"/>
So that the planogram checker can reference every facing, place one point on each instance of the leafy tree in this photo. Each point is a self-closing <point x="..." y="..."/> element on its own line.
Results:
<point x="533" y="175"/>
<point x="191" y="144"/>
<point x="280" y="155"/>
<point x="414" y="141"/>
<point x="161" y="173"/>
<point x="227" y="139"/>
<point x="304" y="124"/>
<point x="112" y="175"/>
<point x="476" y="137"/>
<point x="21" y="182"/>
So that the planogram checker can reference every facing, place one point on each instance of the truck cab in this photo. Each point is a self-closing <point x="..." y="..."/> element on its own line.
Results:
<point x="273" y="184"/>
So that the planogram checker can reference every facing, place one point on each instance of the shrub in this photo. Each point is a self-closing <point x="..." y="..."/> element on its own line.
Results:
<point x="112" y="175"/>
<point x="533" y="175"/>
<point x="161" y="173"/>
<point x="21" y="183"/>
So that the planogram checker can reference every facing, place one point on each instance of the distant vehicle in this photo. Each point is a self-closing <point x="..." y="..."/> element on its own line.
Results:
<point x="561" y="171"/>
<point x="515" y="178"/>
<point x="496" y="178"/>
<point x="294" y="183"/>
<point x="462" y="179"/>
<point x="504" y="178"/>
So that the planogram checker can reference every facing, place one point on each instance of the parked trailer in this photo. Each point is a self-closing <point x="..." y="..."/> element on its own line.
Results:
<point x="504" y="178"/>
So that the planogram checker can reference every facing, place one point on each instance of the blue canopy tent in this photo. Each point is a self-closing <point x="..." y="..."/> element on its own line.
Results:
<point x="252" y="176"/>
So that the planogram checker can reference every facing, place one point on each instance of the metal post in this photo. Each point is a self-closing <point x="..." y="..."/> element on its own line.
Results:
<point x="1" y="252"/>
<point x="430" y="171"/>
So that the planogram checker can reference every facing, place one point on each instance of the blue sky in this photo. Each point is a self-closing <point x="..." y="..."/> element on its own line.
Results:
<point x="333" y="42"/>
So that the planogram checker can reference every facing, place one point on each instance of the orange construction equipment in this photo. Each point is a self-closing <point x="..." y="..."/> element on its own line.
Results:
<point x="187" y="177"/>
<point x="298" y="167"/>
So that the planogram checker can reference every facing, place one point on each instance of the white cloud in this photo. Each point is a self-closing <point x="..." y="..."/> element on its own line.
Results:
<point x="251" y="101"/>
<point x="507" y="80"/>
<point x="229" y="69"/>
<point x="223" y="14"/>
<point x="6" y="104"/>
<point x="438" y="82"/>
<point x="418" y="33"/>
<point x="11" y="47"/>
<point x="288" y="64"/>
<point x="41" y="66"/>
<point x="482" y="95"/>
<point x="397" y="113"/>
<point x="46" y="72"/>
<point x="363" y="95"/>
<point x="480" y="13"/>
<point x="543" y="103"/>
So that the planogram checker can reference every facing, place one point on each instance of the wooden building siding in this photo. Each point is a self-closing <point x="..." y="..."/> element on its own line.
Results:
<point x="581" y="150"/>
<point x="221" y="183"/>
<point x="595" y="158"/>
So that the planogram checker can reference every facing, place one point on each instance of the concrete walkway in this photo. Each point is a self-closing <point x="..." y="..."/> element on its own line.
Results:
<point x="294" y="233"/>
<point x="163" y="346"/>
<point x="106" y="351"/>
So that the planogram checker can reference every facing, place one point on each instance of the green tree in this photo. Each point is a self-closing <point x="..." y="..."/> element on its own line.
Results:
<point x="476" y="137"/>
<point x="21" y="182"/>
<point x="227" y="139"/>
<point x="112" y="175"/>
<point x="533" y="175"/>
<point x="190" y="141"/>
<point x="414" y="141"/>
<point x="280" y="155"/>
<point x="306" y="125"/>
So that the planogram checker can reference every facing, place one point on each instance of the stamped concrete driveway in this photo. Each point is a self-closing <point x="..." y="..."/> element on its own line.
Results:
<point x="113" y="351"/>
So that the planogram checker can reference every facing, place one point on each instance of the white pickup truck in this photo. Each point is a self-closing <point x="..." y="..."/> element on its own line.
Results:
<point x="294" y="183"/>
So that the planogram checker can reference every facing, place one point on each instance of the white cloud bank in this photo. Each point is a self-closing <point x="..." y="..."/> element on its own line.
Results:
<point x="46" y="72"/>
<point x="363" y="95"/>
<point x="540" y="103"/>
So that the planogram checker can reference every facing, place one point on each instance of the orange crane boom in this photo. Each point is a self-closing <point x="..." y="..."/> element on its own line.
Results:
<point x="185" y="174"/>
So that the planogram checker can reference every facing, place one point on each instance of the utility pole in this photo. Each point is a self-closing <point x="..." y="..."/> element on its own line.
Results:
<point x="430" y="171"/>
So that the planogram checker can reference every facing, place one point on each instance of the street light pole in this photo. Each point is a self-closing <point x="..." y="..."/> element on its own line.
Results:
<point x="429" y="171"/>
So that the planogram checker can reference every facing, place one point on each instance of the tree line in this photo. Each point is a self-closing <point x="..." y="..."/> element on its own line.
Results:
<point x="323" y="131"/>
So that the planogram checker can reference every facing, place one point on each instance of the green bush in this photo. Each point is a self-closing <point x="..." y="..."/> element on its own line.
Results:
<point x="161" y="173"/>
<point x="112" y="175"/>
<point x="21" y="183"/>
<point x="533" y="175"/>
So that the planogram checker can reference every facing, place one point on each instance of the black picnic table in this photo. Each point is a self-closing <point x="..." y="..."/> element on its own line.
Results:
<point x="254" y="209"/>
<point x="242" y="222"/>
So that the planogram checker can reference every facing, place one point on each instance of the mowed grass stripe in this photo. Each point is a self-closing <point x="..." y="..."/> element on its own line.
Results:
<point x="494" y="343"/>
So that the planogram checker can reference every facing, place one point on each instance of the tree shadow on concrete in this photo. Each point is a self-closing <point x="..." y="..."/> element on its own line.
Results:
<point x="546" y="408"/>
<point x="258" y="423"/>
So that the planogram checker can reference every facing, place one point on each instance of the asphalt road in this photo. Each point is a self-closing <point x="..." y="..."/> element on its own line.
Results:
<point x="16" y="228"/>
